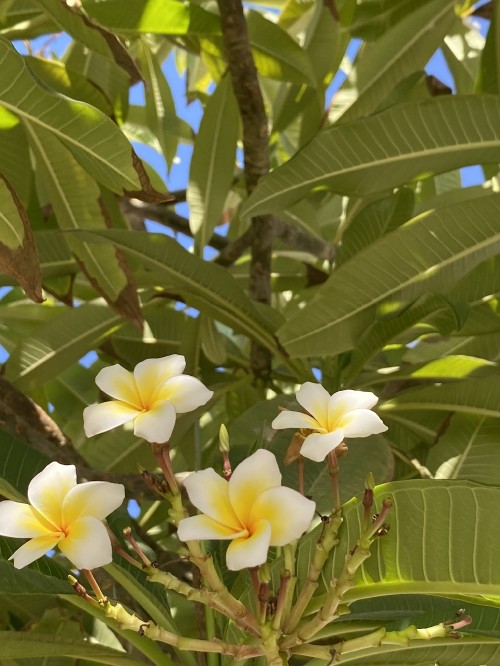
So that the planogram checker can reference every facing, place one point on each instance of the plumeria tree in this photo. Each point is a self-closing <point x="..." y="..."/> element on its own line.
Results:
<point x="249" y="402"/>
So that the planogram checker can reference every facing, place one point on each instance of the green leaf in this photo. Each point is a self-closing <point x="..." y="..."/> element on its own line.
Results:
<point x="167" y="17"/>
<point x="468" y="450"/>
<point x="77" y="203"/>
<point x="18" y="252"/>
<point x="429" y="253"/>
<point x="373" y="18"/>
<point x="204" y="286"/>
<point x="23" y="645"/>
<point x="57" y="76"/>
<point x="442" y="540"/>
<point x="71" y="20"/>
<point x="367" y="156"/>
<point x="489" y="73"/>
<point x="275" y="53"/>
<point x="213" y="162"/>
<point x="93" y="138"/>
<point x="14" y="154"/>
<point x="475" y="396"/>
<point x="445" y="652"/>
<point x="397" y="53"/>
<point x="160" y="106"/>
<point x="59" y="343"/>
<point x="19" y="464"/>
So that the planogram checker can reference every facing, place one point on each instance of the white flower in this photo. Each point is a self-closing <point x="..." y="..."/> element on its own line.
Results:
<point x="65" y="514"/>
<point x="252" y="509"/>
<point x="151" y="397"/>
<point x="333" y="418"/>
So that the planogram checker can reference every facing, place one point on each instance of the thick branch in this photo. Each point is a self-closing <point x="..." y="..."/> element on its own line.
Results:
<point x="255" y="144"/>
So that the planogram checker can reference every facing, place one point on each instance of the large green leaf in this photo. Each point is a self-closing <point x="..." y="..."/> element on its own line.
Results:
<point x="24" y="645"/>
<point x="401" y="50"/>
<point x="430" y="253"/>
<point x="203" y="285"/>
<point x="160" y="106"/>
<point x="56" y="75"/>
<point x="378" y="153"/>
<point x="77" y="203"/>
<point x="71" y="20"/>
<point x="59" y="343"/>
<point x="167" y="17"/>
<point x="475" y="396"/>
<point x="213" y="162"/>
<point x="14" y="154"/>
<point x="93" y="138"/>
<point x="468" y="449"/>
<point x="444" y="539"/>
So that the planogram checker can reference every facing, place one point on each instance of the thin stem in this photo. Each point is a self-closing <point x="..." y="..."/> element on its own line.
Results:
<point x="94" y="585"/>
<point x="282" y="598"/>
<point x="127" y="533"/>
<point x="133" y="623"/>
<point x="162" y="455"/>
<point x="333" y="469"/>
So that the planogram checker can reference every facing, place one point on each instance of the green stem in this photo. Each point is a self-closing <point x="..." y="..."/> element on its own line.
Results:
<point x="375" y="639"/>
<point x="128" y="621"/>
<point x="324" y="545"/>
<point x="221" y="599"/>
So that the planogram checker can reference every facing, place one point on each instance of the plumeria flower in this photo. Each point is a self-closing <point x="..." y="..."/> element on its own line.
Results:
<point x="65" y="514"/>
<point x="332" y="418"/>
<point x="151" y="397"/>
<point x="252" y="510"/>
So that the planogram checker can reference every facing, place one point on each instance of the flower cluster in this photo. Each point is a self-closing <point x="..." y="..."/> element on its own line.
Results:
<point x="252" y="509"/>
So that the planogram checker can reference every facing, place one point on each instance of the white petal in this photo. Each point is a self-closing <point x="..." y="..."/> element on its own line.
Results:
<point x="87" y="545"/>
<point x="288" y="512"/>
<point x="156" y="424"/>
<point x="251" y="477"/>
<point x="21" y="521"/>
<point x="47" y="490"/>
<point x="203" y="527"/>
<point x="209" y="493"/>
<point x="119" y="383"/>
<point x="106" y="416"/>
<point x="250" y="551"/>
<point x="33" y="549"/>
<point x="314" y="398"/>
<point x="345" y="401"/>
<point x="94" y="498"/>
<point x="185" y="393"/>
<point x="288" y="419"/>
<point x="362" y="423"/>
<point x="316" y="447"/>
<point x="151" y="374"/>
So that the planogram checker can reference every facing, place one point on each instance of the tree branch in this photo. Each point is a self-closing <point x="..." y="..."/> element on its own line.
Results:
<point x="230" y="250"/>
<point x="255" y="144"/>
<point x="24" y="419"/>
